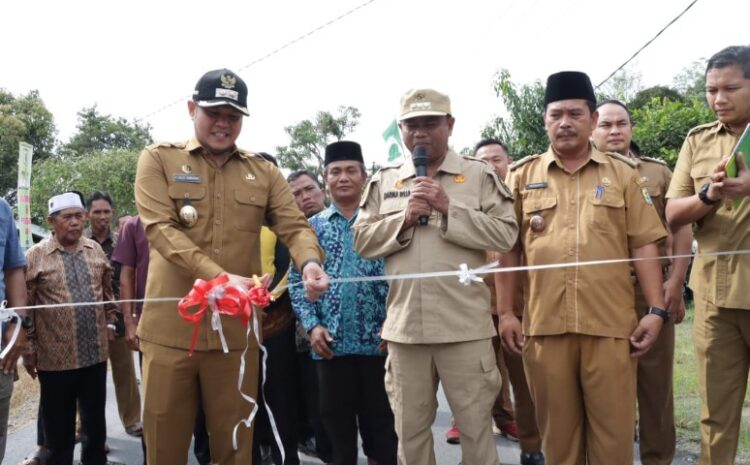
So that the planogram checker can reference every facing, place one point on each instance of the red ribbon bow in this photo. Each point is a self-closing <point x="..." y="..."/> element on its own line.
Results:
<point x="229" y="300"/>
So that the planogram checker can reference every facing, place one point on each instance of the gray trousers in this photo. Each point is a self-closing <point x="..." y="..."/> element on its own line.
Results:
<point x="6" y="389"/>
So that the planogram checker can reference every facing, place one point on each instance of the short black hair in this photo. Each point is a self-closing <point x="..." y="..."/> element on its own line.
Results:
<point x="98" y="195"/>
<point x="619" y="104"/>
<point x="735" y="55"/>
<point x="296" y="174"/>
<point x="490" y="141"/>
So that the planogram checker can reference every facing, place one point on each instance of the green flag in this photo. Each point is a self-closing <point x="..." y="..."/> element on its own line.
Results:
<point x="393" y="142"/>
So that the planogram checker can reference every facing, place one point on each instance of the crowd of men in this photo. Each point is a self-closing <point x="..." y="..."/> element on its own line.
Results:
<point x="588" y="350"/>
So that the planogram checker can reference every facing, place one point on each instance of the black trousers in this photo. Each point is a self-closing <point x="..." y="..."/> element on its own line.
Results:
<point x="281" y="381"/>
<point x="352" y="393"/>
<point x="309" y="405"/>
<point x="60" y="390"/>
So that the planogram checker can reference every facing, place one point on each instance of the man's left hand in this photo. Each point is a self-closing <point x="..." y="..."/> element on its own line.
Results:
<point x="10" y="361"/>
<point x="645" y="335"/>
<point x="674" y="299"/>
<point x="315" y="279"/>
<point x="432" y="192"/>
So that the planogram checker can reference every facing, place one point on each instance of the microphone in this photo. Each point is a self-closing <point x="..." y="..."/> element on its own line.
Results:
<point x="419" y="158"/>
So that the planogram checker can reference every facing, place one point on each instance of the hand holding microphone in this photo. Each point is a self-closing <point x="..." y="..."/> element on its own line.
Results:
<point x="419" y="158"/>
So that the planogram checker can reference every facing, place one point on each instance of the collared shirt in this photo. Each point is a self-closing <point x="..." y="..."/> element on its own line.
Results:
<point x="11" y="255"/>
<point x="353" y="313"/>
<point x="480" y="218"/>
<point x="232" y="202"/>
<point x="68" y="338"/>
<point x="599" y="212"/>
<point x="132" y="250"/>
<point x="720" y="279"/>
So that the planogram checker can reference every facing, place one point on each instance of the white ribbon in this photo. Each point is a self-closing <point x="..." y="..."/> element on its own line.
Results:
<point x="213" y="295"/>
<point x="467" y="276"/>
<point x="6" y="314"/>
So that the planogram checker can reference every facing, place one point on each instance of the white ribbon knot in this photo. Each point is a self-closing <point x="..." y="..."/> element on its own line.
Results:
<point x="213" y="296"/>
<point x="7" y="314"/>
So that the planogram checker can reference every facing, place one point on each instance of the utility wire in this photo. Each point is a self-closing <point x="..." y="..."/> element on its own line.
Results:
<point x="648" y="43"/>
<point x="271" y="53"/>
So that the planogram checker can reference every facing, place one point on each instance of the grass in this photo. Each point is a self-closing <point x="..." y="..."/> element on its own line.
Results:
<point x="687" y="402"/>
<point x="24" y="401"/>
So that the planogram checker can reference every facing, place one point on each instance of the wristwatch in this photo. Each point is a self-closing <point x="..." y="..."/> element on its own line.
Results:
<point x="660" y="312"/>
<point x="26" y="322"/>
<point x="703" y="195"/>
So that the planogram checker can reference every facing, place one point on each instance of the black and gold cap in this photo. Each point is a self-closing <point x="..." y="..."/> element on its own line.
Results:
<point x="221" y="87"/>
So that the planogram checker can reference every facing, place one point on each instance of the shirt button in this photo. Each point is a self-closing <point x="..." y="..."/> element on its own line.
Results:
<point x="216" y="251"/>
<point x="572" y="201"/>
<point x="252" y="198"/>
<point x="571" y="252"/>
<point x="217" y="222"/>
<point x="218" y="196"/>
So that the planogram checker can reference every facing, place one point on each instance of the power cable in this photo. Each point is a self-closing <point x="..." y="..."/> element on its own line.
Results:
<point x="271" y="53"/>
<point x="647" y="43"/>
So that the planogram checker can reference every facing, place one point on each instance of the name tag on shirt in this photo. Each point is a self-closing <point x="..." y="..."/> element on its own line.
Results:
<point x="536" y="185"/>
<point x="189" y="178"/>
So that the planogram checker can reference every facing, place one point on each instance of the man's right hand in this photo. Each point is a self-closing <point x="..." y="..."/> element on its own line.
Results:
<point x="29" y="362"/>
<point x="414" y="209"/>
<point x="511" y="334"/>
<point x="130" y="334"/>
<point x="320" y="342"/>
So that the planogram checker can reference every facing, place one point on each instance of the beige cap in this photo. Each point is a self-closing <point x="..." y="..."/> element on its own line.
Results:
<point x="424" y="102"/>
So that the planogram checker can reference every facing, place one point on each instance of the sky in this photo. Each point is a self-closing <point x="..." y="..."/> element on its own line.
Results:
<point x="140" y="59"/>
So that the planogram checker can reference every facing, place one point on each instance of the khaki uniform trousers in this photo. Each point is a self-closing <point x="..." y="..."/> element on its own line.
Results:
<point x="656" y="429"/>
<point x="584" y="392"/>
<point x="722" y="346"/>
<point x="173" y="381"/>
<point x="470" y="379"/>
<point x="126" y="386"/>
<point x="511" y="369"/>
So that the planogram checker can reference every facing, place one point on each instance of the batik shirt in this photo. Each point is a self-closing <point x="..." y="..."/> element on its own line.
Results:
<point x="353" y="313"/>
<point x="71" y="337"/>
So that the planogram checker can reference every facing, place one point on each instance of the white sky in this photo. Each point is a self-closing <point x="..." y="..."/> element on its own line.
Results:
<point x="132" y="58"/>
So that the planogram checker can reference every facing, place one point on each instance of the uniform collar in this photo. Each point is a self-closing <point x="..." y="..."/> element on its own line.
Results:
<point x="550" y="156"/>
<point x="451" y="165"/>
<point x="195" y="148"/>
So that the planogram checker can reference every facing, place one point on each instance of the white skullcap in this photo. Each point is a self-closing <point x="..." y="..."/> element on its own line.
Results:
<point x="63" y="201"/>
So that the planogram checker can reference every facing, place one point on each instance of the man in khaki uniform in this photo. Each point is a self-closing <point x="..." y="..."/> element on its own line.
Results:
<point x="701" y="193"/>
<point x="613" y="133"/>
<point x="437" y="329"/>
<point x="580" y="331"/>
<point x="202" y="203"/>
<point x="494" y="152"/>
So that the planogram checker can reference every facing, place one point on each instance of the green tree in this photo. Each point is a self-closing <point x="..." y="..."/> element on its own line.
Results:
<point x="645" y="96"/>
<point x="310" y="137"/>
<point x="691" y="81"/>
<point x="113" y="172"/>
<point x="23" y="118"/>
<point x="522" y="129"/>
<point x="623" y="86"/>
<point x="99" y="133"/>
<point x="662" y="124"/>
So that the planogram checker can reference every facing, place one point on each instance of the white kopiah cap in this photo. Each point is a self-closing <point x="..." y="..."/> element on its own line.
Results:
<point x="63" y="201"/>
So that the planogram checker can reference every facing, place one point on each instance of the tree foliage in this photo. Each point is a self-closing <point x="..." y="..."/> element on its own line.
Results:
<point x="522" y="128"/>
<point x="623" y="86"/>
<point x="691" y="81"/>
<point x="662" y="124"/>
<point x="645" y="96"/>
<point x="113" y="172"/>
<point x="310" y="137"/>
<point x="23" y="118"/>
<point x="99" y="133"/>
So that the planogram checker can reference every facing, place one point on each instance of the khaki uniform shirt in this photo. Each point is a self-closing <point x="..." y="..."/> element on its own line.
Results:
<point x="720" y="279"/>
<point x="597" y="213"/>
<point x="232" y="202"/>
<point x="480" y="218"/>
<point x="656" y="176"/>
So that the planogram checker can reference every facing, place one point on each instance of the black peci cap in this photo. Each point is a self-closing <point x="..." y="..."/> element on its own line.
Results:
<point x="221" y="87"/>
<point x="567" y="85"/>
<point x="343" y="150"/>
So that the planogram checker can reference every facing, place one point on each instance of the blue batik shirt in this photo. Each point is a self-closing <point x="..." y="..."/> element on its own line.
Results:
<point x="353" y="313"/>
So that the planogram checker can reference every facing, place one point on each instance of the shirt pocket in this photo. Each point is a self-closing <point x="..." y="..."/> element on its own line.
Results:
<point x="248" y="209"/>
<point x="701" y="173"/>
<point x="541" y="209"/>
<point x="607" y="213"/>
<point x="181" y="193"/>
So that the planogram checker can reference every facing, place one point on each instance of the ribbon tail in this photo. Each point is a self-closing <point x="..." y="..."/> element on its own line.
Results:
<point x="197" y="327"/>
<point x="216" y="325"/>
<point x="249" y="420"/>
<point x="13" y="337"/>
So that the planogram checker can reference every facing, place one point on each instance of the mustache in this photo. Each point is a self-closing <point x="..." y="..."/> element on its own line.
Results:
<point x="566" y="132"/>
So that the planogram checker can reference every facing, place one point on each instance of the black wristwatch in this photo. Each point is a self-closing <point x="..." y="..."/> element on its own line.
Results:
<point x="26" y="322"/>
<point x="660" y="312"/>
<point x="703" y="195"/>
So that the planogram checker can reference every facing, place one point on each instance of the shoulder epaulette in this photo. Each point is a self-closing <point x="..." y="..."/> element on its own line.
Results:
<point x="703" y="127"/>
<point x="523" y="161"/>
<point x="630" y="162"/>
<point x="178" y="145"/>
<point x="653" y="160"/>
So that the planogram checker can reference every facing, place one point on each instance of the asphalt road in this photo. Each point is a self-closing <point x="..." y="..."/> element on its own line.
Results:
<point x="127" y="450"/>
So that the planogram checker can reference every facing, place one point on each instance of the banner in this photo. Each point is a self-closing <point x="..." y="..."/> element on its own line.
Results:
<point x="25" y="152"/>
<point x="393" y="142"/>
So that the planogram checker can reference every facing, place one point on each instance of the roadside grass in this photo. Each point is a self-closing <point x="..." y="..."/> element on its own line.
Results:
<point x="687" y="404"/>
<point x="24" y="401"/>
